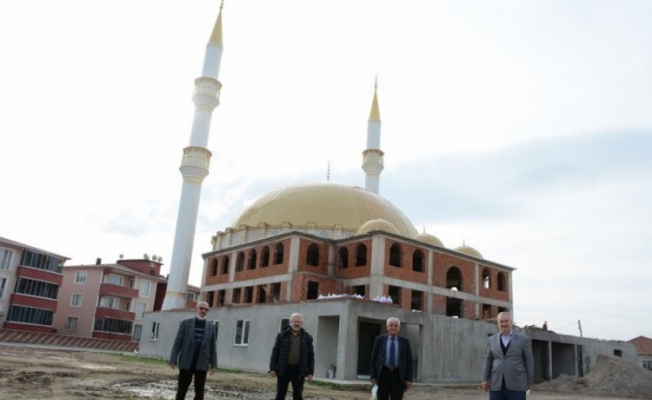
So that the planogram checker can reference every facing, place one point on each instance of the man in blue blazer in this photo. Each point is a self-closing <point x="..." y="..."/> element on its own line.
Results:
<point x="391" y="363"/>
<point x="194" y="352"/>
<point x="509" y="365"/>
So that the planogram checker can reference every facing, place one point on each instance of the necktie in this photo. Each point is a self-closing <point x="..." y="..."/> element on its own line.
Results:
<point x="392" y="352"/>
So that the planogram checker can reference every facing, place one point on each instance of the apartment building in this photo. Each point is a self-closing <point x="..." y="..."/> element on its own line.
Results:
<point x="30" y="281"/>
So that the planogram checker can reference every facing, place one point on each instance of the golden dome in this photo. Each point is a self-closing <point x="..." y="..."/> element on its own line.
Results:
<point x="322" y="205"/>
<point x="429" y="239"/>
<point x="469" y="251"/>
<point x="377" y="225"/>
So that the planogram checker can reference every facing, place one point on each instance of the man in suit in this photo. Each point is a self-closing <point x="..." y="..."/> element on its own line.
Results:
<point x="194" y="352"/>
<point x="391" y="363"/>
<point x="509" y="365"/>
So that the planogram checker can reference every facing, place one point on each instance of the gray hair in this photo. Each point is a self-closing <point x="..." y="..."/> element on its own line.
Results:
<point x="393" y="319"/>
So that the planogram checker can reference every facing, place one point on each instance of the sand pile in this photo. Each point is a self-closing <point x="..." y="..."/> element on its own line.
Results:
<point x="611" y="376"/>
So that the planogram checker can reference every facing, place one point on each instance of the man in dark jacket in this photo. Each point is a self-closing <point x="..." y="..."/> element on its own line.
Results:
<point x="293" y="359"/>
<point x="391" y="363"/>
<point x="194" y="352"/>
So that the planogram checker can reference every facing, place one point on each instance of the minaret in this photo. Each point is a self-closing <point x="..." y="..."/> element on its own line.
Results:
<point x="372" y="157"/>
<point x="194" y="168"/>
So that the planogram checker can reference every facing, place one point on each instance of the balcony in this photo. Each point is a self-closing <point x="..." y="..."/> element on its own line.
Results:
<point x="25" y="300"/>
<point x="39" y="275"/>
<point x="109" y="289"/>
<point x="101" y="313"/>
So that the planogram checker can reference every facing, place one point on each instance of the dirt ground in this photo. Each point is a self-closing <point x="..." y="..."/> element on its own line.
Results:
<point x="38" y="373"/>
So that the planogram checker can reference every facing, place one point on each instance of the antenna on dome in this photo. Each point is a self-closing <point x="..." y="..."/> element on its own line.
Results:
<point x="328" y="172"/>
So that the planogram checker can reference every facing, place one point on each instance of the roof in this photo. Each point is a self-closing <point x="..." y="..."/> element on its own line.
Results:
<point x="13" y="243"/>
<point x="323" y="205"/>
<point x="643" y="345"/>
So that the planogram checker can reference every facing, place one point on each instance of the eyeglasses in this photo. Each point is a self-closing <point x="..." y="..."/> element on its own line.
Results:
<point x="203" y="308"/>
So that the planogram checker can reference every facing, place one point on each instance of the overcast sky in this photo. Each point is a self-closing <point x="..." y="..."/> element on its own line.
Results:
<point x="521" y="128"/>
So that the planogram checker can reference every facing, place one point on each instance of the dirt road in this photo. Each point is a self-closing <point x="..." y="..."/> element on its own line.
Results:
<point x="36" y="373"/>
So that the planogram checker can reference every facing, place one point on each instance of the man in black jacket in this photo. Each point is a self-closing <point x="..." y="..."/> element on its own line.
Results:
<point x="391" y="363"/>
<point x="293" y="359"/>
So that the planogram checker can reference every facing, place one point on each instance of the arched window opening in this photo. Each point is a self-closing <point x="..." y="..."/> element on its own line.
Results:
<point x="251" y="259"/>
<point x="454" y="279"/>
<point x="395" y="255"/>
<point x="264" y="257"/>
<point x="278" y="254"/>
<point x="343" y="258"/>
<point x="225" y="265"/>
<point x="502" y="285"/>
<point x="417" y="261"/>
<point x="214" y="267"/>
<point x="486" y="279"/>
<point x="239" y="262"/>
<point x="312" y="255"/>
<point x="361" y="255"/>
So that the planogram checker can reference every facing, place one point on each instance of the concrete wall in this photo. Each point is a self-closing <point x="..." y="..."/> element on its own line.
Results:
<point x="445" y="349"/>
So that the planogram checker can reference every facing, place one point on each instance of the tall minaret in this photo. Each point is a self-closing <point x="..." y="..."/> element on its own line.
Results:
<point x="372" y="157"/>
<point x="194" y="168"/>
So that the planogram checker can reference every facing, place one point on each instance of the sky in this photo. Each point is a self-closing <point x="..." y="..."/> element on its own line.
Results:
<point x="523" y="129"/>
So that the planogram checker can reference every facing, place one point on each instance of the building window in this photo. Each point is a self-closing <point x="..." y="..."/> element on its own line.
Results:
<point x="417" y="261"/>
<point x="113" y="325"/>
<point x="225" y="265"/>
<point x="115" y="279"/>
<point x="239" y="262"/>
<point x="41" y="261"/>
<point x="360" y="290"/>
<point x="502" y="286"/>
<point x="221" y="295"/>
<point x="154" y="333"/>
<point x="313" y="290"/>
<point x="264" y="257"/>
<point x="278" y="254"/>
<point x="216" y="326"/>
<point x="395" y="293"/>
<point x="285" y="322"/>
<point x="248" y="294"/>
<point x="110" y="302"/>
<point x="647" y="364"/>
<point x="3" y="283"/>
<point x="251" y="259"/>
<point x="486" y="279"/>
<point x="276" y="292"/>
<point x="6" y="256"/>
<point x="262" y="294"/>
<point x="29" y="315"/>
<point x="417" y="301"/>
<point x="80" y="277"/>
<point x="140" y="310"/>
<point x="213" y="267"/>
<point x="137" y="332"/>
<point x="190" y="296"/>
<point x="242" y="333"/>
<point x="395" y="255"/>
<point x="144" y="289"/>
<point x="71" y="324"/>
<point x="361" y="255"/>
<point x="312" y="255"/>
<point x="37" y="288"/>
<point x="454" y="279"/>
<point x="343" y="258"/>
<point x="236" y="296"/>
<point x="76" y="300"/>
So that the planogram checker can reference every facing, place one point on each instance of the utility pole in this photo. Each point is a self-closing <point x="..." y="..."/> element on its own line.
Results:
<point x="579" y="326"/>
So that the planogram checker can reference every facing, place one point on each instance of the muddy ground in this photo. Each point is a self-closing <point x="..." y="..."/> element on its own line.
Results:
<point x="37" y="373"/>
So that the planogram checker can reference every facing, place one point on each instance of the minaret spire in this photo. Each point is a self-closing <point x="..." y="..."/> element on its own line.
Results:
<point x="194" y="168"/>
<point x="372" y="157"/>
